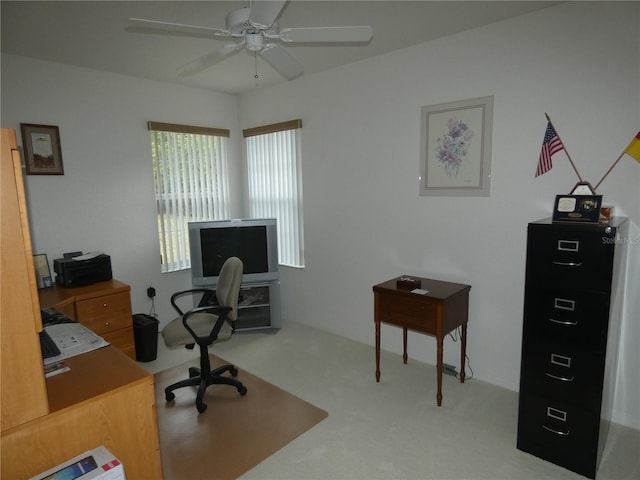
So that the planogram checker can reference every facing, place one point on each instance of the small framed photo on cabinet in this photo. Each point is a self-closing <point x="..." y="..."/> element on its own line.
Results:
<point x="577" y="208"/>
<point x="43" y="274"/>
<point x="42" y="151"/>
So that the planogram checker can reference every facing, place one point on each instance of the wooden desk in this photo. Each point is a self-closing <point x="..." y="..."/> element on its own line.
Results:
<point x="103" y="307"/>
<point x="444" y="308"/>
<point x="105" y="399"/>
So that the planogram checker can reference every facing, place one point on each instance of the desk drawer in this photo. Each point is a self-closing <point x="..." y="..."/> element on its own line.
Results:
<point x="105" y="314"/>
<point x="123" y="340"/>
<point x="413" y="313"/>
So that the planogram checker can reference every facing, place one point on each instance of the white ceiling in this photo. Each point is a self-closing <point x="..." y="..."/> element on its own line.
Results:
<point x="94" y="34"/>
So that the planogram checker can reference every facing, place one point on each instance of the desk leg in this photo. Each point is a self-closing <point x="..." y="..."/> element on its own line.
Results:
<point x="377" y="351"/>
<point x="404" y="343"/>
<point x="463" y="351"/>
<point x="439" y="395"/>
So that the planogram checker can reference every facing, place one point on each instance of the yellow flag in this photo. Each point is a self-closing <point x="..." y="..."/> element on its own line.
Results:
<point x="634" y="148"/>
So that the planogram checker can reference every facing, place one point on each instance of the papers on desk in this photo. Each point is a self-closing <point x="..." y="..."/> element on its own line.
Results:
<point x="51" y="369"/>
<point x="419" y="291"/>
<point x="72" y="339"/>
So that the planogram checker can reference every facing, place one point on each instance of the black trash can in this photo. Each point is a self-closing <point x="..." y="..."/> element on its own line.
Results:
<point x="145" y="333"/>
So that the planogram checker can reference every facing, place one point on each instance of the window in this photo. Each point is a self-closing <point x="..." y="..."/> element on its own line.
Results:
<point x="191" y="184"/>
<point x="275" y="184"/>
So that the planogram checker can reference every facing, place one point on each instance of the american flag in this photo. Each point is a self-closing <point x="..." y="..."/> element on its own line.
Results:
<point x="550" y="145"/>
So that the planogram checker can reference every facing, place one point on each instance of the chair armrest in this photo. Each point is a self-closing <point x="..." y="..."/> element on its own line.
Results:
<point x="191" y="291"/>
<point x="215" y="309"/>
<point x="220" y="311"/>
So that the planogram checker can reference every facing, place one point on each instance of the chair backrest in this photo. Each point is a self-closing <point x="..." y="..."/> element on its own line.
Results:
<point x="228" y="286"/>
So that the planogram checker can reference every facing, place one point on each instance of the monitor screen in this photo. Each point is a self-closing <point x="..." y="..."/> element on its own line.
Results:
<point x="254" y="241"/>
<point x="249" y="244"/>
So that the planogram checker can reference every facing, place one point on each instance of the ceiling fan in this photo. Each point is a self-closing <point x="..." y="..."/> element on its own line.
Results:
<point x="257" y="30"/>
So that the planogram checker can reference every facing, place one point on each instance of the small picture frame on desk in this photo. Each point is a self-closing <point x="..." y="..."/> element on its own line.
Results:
<point x="43" y="274"/>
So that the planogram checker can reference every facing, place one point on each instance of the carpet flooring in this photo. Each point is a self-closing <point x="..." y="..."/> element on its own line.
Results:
<point x="234" y="434"/>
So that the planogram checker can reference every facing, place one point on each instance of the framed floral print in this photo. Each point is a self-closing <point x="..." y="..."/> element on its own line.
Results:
<point x="456" y="148"/>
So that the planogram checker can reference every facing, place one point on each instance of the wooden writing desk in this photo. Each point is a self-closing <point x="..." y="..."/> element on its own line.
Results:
<point x="105" y="399"/>
<point x="438" y="312"/>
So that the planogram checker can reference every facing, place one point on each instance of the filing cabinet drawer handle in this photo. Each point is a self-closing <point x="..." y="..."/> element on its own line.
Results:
<point x="560" y="360"/>
<point x="564" y="304"/>
<point x="564" y="322"/>
<point x="567" y="264"/>
<point x="568" y="245"/>
<point x="557" y="414"/>
<point x="564" y="433"/>
<point x="562" y="379"/>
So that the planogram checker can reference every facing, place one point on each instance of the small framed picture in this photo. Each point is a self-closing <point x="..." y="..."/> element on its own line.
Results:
<point x="43" y="274"/>
<point x="42" y="152"/>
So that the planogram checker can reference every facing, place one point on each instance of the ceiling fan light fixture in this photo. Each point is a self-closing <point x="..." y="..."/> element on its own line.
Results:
<point x="253" y="42"/>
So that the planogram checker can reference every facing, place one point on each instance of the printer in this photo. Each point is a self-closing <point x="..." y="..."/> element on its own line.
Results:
<point x="80" y="271"/>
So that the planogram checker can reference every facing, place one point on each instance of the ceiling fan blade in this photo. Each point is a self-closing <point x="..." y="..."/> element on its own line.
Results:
<point x="327" y="34"/>
<point x="264" y="13"/>
<point x="206" y="61"/>
<point x="280" y="59"/>
<point x="155" y="26"/>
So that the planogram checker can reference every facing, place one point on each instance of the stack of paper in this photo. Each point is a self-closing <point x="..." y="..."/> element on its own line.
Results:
<point x="73" y="339"/>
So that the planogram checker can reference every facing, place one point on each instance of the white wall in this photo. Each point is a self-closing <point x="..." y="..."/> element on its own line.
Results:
<point x="105" y="199"/>
<point x="364" y="220"/>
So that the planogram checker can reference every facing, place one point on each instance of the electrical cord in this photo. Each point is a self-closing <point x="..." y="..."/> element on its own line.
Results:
<point x="152" y="310"/>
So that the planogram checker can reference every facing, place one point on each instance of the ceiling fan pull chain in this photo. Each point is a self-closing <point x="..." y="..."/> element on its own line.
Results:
<point x="255" y="62"/>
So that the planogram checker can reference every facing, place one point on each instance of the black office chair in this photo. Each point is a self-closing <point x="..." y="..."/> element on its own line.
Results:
<point x="204" y="326"/>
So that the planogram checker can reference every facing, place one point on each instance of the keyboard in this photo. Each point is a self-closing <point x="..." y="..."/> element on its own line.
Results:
<point x="48" y="346"/>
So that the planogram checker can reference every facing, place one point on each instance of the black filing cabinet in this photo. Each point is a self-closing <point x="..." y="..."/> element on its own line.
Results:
<point x="572" y="301"/>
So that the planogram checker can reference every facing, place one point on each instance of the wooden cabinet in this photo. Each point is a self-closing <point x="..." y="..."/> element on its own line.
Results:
<point x="104" y="308"/>
<point x="573" y="285"/>
<point x="104" y="399"/>
<point x="23" y="394"/>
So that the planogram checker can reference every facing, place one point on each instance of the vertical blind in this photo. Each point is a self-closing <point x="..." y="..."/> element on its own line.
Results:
<point x="190" y="175"/>
<point x="275" y="184"/>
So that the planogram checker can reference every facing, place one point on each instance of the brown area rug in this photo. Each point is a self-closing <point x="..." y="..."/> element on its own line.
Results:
<point x="234" y="434"/>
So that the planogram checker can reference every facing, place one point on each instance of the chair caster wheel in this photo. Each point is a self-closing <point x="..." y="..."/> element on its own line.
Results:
<point x="233" y="371"/>
<point x="242" y="390"/>
<point x="202" y="408"/>
<point x="169" y="396"/>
